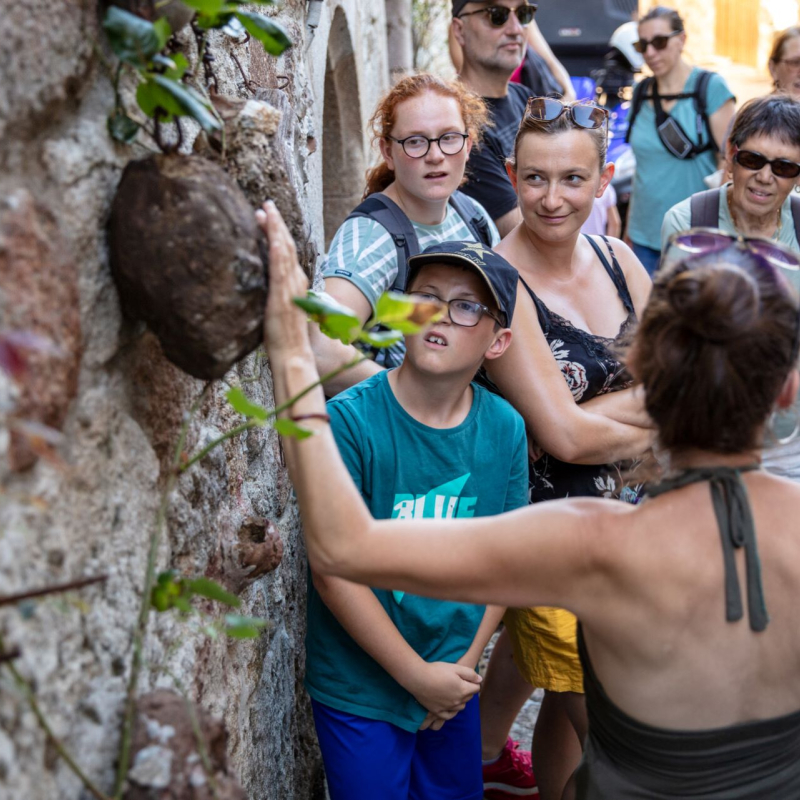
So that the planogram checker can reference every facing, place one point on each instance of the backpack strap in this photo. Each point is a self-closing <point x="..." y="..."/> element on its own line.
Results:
<point x="388" y="214"/>
<point x="705" y="209"/>
<point x="795" y="204"/>
<point x="476" y="221"/>
<point x="700" y="96"/>
<point x="639" y="94"/>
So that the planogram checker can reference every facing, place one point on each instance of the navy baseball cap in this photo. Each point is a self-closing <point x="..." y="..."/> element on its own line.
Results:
<point x="458" y="5"/>
<point x="497" y="273"/>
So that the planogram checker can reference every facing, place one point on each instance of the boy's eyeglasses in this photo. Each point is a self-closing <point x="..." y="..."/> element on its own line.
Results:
<point x="658" y="42"/>
<point x="498" y="15"/>
<point x="465" y="313"/>
<point x="781" y="167"/>
<point x="417" y="146"/>
<point x="584" y="115"/>
<point x="770" y="255"/>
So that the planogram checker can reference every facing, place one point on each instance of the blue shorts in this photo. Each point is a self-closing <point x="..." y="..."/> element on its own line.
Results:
<point x="367" y="759"/>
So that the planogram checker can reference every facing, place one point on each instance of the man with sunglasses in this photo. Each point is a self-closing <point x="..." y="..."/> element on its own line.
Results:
<point x="392" y="676"/>
<point x="492" y="38"/>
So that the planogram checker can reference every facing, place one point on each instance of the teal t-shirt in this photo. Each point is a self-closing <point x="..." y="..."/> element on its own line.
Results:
<point x="661" y="180"/>
<point x="407" y="470"/>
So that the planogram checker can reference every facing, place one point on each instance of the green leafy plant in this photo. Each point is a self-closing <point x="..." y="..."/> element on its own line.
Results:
<point x="163" y="93"/>
<point x="169" y="591"/>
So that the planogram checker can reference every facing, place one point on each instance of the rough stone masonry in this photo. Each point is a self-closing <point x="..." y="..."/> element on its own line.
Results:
<point x="296" y="132"/>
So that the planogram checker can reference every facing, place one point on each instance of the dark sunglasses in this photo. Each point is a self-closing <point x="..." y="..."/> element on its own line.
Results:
<point x="771" y="255"/>
<point x="582" y="114"/>
<point x="781" y="167"/>
<point x="658" y="42"/>
<point x="498" y="15"/>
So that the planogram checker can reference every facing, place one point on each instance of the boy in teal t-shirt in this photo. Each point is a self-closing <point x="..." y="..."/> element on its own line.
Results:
<point x="392" y="676"/>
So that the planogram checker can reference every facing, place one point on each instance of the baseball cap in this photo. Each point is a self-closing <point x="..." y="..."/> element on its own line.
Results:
<point x="458" y="5"/>
<point x="497" y="273"/>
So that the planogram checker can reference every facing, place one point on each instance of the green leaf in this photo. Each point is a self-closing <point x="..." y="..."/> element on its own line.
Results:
<point x="134" y="40"/>
<point x="183" y="604"/>
<point x="242" y="404"/>
<point x="174" y="67"/>
<point x="380" y="339"/>
<point x="404" y="313"/>
<point x="335" y="320"/>
<point x="176" y="99"/>
<point x="205" y="587"/>
<point x="244" y="627"/>
<point x="122" y="128"/>
<point x="209" y="7"/>
<point x="288" y="427"/>
<point x="272" y="35"/>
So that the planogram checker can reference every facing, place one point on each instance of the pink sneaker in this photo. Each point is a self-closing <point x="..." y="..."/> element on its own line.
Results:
<point x="511" y="776"/>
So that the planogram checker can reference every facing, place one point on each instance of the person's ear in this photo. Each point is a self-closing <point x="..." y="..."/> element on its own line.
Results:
<point x="468" y="145"/>
<point x="606" y="177"/>
<point x="458" y="30"/>
<point x="511" y="171"/>
<point x="682" y="39"/>
<point x="500" y="344"/>
<point x="772" y="71"/>
<point x="730" y="151"/>
<point x="789" y="390"/>
<point x="385" y="147"/>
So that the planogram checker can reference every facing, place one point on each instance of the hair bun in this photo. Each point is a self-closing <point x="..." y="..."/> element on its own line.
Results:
<point x="719" y="304"/>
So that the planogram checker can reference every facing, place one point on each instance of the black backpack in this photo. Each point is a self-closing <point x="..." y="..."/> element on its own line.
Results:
<point x="705" y="210"/>
<point x="393" y="218"/>
<point x="644" y="90"/>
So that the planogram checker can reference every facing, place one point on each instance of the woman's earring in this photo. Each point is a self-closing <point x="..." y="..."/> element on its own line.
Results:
<point x="797" y="188"/>
<point x="774" y="422"/>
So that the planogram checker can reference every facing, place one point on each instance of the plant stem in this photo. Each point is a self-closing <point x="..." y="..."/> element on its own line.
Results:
<point x="62" y="751"/>
<point x="251" y="423"/>
<point x="324" y="379"/>
<point x="144" y="609"/>
<point x="62" y="587"/>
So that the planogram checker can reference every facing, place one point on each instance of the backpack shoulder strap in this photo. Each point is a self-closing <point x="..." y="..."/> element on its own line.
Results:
<point x="795" y="204"/>
<point x="700" y="96"/>
<point x="476" y="221"/>
<point x="705" y="208"/>
<point x="639" y="94"/>
<point x="387" y="213"/>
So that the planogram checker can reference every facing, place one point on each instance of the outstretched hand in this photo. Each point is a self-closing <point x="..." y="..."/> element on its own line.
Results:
<point x="285" y="325"/>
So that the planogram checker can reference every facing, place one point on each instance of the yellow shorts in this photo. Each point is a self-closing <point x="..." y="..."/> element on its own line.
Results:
<point x="545" y="643"/>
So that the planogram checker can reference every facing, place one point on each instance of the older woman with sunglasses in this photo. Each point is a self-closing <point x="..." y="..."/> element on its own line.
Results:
<point x="579" y="297"/>
<point x="763" y="157"/>
<point x="675" y="147"/>
<point x="692" y="693"/>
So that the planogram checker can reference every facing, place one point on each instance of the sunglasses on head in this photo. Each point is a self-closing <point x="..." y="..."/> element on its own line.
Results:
<point x="781" y="167"/>
<point x="584" y="115"/>
<point x="498" y="15"/>
<point x="770" y="255"/>
<point x="659" y="42"/>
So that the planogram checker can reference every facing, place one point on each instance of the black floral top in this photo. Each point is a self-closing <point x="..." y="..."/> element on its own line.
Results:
<point x="591" y="368"/>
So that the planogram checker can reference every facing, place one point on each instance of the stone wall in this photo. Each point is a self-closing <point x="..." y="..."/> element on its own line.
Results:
<point x="106" y="385"/>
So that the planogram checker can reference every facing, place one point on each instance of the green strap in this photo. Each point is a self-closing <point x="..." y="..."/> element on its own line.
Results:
<point x="736" y="528"/>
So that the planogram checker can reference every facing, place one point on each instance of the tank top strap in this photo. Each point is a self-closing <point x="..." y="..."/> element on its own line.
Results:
<point x="737" y="529"/>
<point x="614" y="271"/>
<point x="542" y="312"/>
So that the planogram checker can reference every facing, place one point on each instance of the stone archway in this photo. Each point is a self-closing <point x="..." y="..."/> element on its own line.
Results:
<point x="343" y="162"/>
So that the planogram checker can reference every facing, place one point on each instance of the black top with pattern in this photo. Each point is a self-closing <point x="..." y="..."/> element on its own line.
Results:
<point x="590" y="368"/>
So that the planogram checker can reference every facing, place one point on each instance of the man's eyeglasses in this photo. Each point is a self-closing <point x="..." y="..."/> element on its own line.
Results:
<point x="498" y="15"/>
<point x="781" y="167"/>
<point x="417" y="146"/>
<point x="658" y="42"/>
<point x="465" y="313"/>
<point x="584" y="115"/>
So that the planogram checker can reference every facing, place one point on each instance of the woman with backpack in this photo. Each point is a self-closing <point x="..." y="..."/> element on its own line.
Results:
<point x="679" y="118"/>
<point x="425" y="128"/>
<point x="763" y="158"/>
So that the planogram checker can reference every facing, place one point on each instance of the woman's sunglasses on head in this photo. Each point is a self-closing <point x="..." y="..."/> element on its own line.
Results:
<point x="781" y="167"/>
<point x="658" y="42"/>
<point x="582" y="114"/>
<point x="498" y="15"/>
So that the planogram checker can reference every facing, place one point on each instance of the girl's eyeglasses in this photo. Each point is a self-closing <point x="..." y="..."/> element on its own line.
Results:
<point x="658" y="42"/>
<point x="781" y="167"/>
<point x="465" y="313"/>
<point x="582" y="114"/>
<point x="417" y="146"/>
<point x="498" y="15"/>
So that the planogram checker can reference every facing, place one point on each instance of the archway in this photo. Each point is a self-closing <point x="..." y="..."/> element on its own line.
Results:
<point x="343" y="162"/>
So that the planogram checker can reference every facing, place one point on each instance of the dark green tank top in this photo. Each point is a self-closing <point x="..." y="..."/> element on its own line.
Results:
<point x="626" y="759"/>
